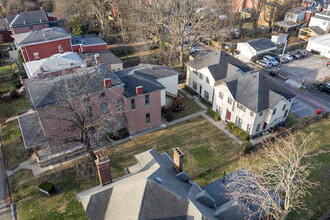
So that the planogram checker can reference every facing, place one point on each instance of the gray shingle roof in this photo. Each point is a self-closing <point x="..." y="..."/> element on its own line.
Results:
<point x="87" y="39"/>
<point x="140" y="195"/>
<point x="261" y="44"/>
<point x="153" y="71"/>
<point x="10" y="18"/>
<point x="219" y="63"/>
<point x="31" y="130"/>
<point x="257" y="92"/>
<point x="45" y="91"/>
<point x="321" y="17"/>
<point x="106" y="57"/>
<point x="46" y="34"/>
<point x="317" y="29"/>
<point x="28" y="18"/>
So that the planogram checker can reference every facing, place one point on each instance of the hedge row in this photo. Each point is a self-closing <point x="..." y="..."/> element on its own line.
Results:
<point x="190" y="90"/>
<point x="247" y="147"/>
<point x="213" y="114"/>
<point x="206" y="102"/>
<point x="237" y="131"/>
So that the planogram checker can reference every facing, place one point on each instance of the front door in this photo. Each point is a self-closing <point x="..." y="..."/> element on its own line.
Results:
<point x="200" y="89"/>
<point x="265" y="124"/>
<point x="228" y="115"/>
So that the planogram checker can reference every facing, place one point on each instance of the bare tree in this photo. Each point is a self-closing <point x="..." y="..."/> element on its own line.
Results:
<point x="102" y="10"/>
<point x="70" y="9"/>
<point x="282" y="183"/>
<point x="82" y="111"/>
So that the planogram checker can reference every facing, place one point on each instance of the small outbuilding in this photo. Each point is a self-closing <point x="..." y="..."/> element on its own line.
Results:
<point x="255" y="47"/>
<point x="279" y="39"/>
<point x="320" y="45"/>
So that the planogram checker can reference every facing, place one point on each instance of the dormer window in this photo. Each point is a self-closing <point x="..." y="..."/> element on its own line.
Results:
<point x="36" y="55"/>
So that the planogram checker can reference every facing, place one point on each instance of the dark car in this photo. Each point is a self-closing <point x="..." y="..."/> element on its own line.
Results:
<point x="283" y="60"/>
<point x="324" y="86"/>
<point x="295" y="55"/>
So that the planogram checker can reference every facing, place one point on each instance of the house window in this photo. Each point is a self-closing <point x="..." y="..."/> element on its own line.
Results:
<point x="147" y="100"/>
<point x="207" y="80"/>
<point x="285" y="113"/>
<point x="218" y="110"/>
<point x="251" y="114"/>
<point x="274" y="111"/>
<point x="284" y="106"/>
<point x="36" y="55"/>
<point x="240" y="106"/>
<point x="238" y="122"/>
<point x="194" y="85"/>
<point x="258" y="127"/>
<point x="220" y="95"/>
<point x="148" y="118"/>
<point x="104" y="108"/>
<point x="133" y="104"/>
<point x="206" y="95"/>
<point x="123" y="121"/>
<point x="121" y="104"/>
<point x="200" y="76"/>
<point x="248" y="128"/>
<point x="260" y="114"/>
<point x="230" y="100"/>
<point x="195" y="72"/>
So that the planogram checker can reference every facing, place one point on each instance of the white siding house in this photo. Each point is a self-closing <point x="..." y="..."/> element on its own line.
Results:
<point x="254" y="47"/>
<point x="320" y="44"/>
<point x="252" y="103"/>
<point x="205" y="72"/>
<point x="321" y="19"/>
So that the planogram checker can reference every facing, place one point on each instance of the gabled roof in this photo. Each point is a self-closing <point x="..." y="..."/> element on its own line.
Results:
<point x="257" y="93"/>
<point x="46" y="34"/>
<point x="106" y="57"/>
<point x="53" y="63"/>
<point x="325" y="18"/>
<point x="317" y="29"/>
<point x="218" y="63"/>
<point x="28" y="18"/>
<point x="260" y="44"/>
<point x="31" y="130"/>
<point x="154" y="71"/>
<point x="45" y="91"/>
<point x="87" y="39"/>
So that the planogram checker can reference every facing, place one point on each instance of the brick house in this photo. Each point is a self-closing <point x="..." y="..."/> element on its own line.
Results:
<point x="42" y="44"/>
<point x="132" y="101"/>
<point x="88" y="43"/>
<point x="28" y="21"/>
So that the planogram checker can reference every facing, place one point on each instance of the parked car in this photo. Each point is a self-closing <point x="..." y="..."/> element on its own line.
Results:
<point x="264" y="63"/>
<point x="328" y="63"/>
<point x="295" y="55"/>
<point x="324" y="86"/>
<point x="283" y="59"/>
<point x="228" y="46"/>
<point x="302" y="52"/>
<point x="271" y="59"/>
<point x="288" y="56"/>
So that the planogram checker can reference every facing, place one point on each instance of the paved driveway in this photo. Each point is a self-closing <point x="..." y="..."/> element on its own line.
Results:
<point x="302" y="109"/>
<point x="311" y="68"/>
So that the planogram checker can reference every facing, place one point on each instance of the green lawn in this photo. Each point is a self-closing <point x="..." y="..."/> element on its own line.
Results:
<point x="13" y="107"/>
<point x="293" y="119"/>
<point x="13" y="143"/>
<point x="4" y="70"/>
<point x="6" y="87"/>
<point x="190" y="108"/>
<point x="209" y="149"/>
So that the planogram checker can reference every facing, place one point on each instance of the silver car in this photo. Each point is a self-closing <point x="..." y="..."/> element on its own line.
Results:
<point x="271" y="59"/>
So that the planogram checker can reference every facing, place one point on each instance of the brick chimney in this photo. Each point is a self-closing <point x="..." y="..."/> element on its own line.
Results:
<point x="178" y="159"/>
<point x="82" y="48"/>
<point x="97" y="58"/>
<point x="60" y="49"/>
<point x="103" y="168"/>
<point x="107" y="83"/>
<point x="139" y="90"/>
<point x="87" y="62"/>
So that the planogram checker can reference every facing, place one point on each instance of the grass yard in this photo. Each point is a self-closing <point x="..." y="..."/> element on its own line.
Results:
<point x="13" y="143"/>
<point x="208" y="149"/>
<point x="13" y="107"/>
<point x="190" y="108"/>
<point x="293" y="119"/>
<point x="6" y="87"/>
<point x="4" y="70"/>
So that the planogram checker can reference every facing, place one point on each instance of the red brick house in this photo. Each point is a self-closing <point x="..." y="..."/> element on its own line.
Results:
<point x="131" y="101"/>
<point x="37" y="45"/>
<point x="28" y="21"/>
<point x="88" y="43"/>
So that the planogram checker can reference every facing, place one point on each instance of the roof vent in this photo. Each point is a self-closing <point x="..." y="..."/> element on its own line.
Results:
<point x="253" y="186"/>
<point x="158" y="179"/>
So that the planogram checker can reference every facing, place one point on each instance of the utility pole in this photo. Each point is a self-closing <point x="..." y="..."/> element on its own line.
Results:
<point x="279" y="65"/>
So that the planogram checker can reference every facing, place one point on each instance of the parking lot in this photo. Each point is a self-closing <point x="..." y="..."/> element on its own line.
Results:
<point x="308" y="69"/>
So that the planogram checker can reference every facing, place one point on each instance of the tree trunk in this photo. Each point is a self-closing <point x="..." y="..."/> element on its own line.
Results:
<point x="89" y="150"/>
<point x="181" y="59"/>
<point x="284" y="215"/>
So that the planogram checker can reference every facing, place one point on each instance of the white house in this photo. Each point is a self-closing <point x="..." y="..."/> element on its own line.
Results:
<point x="295" y="14"/>
<point x="322" y="19"/>
<point x="321" y="44"/>
<point x="279" y="39"/>
<point x="163" y="75"/>
<point x="253" y="103"/>
<point x="205" y="72"/>
<point x="254" y="47"/>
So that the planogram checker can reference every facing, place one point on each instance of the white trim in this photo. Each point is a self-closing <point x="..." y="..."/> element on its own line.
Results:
<point x="43" y="42"/>
<point x="89" y="45"/>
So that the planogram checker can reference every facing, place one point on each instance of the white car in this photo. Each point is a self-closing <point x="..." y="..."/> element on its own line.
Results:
<point x="192" y="49"/>
<point x="288" y="56"/>
<point x="271" y="59"/>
